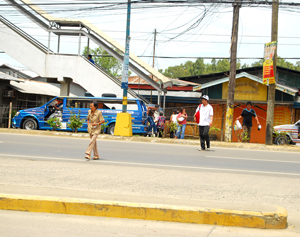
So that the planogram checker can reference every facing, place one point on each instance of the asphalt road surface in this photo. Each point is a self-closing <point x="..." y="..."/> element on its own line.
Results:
<point x="48" y="166"/>
<point x="151" y="155"/>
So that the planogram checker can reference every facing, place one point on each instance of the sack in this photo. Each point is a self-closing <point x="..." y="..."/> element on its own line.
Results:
<point x="198" y="115"/>
<point x="238" y="125"/>
<point x="180" y="119"/>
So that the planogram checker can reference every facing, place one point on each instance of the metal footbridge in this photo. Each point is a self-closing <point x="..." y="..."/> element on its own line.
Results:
<point x="65" y="67"/>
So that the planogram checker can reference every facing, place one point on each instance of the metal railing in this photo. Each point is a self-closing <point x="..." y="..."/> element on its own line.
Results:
<point x="26" y="36"/>
<point x="117" y="81"/>
<point x="45" y="50"/>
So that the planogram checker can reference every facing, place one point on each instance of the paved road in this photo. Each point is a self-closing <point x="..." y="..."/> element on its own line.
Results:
<point x="151" y="155"/>
<point x="48" y="166"/>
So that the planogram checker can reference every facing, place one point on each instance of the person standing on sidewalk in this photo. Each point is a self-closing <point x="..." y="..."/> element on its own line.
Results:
<point x="161" y="121"/>
<point x="247" y="115"/>
<point x="205" y="122"/>
<point x="181" y="118"/>
<point x="94" y="121"/>
<point x="150" y="111"/>
<point x="173" y="124"/>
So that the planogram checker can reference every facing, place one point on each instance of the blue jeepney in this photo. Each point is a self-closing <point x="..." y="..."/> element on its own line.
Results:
<point x="36" y="118"/>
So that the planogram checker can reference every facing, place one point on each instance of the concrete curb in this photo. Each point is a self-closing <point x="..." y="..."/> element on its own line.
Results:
<point x="252" y="146"/>
<point x="223" y="217"/>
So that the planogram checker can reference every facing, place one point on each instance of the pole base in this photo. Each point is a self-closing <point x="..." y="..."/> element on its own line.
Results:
<point x="123" y="125"/>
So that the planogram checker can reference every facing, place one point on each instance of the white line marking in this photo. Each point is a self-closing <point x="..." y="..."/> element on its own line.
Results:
<point x="157" y="165"/>
<point x="235" y="158"/>
<point x="40" y="157"/>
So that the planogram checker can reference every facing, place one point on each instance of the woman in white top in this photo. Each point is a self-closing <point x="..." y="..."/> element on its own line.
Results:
<point x="173" y="119"/>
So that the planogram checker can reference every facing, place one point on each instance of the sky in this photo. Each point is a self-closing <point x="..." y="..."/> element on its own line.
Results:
<point x="210" y="38"/>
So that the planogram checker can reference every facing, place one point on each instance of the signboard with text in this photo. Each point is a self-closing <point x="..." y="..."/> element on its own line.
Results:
<point x="268" y="70"/>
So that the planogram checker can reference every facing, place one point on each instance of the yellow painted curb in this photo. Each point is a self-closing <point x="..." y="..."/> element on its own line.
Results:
<point x="223" y="217"/>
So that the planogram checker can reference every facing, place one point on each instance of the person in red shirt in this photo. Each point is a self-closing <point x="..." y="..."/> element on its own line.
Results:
<point x="181" y="118"/>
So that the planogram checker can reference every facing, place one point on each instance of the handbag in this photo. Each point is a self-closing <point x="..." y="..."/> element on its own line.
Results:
<point x="198" y="115"/>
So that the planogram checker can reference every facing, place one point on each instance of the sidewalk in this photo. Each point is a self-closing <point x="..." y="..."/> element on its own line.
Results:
<point x="193" y="142"/>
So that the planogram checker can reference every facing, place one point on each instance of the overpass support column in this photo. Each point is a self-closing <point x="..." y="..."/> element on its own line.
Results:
<point x="65" y="83"/>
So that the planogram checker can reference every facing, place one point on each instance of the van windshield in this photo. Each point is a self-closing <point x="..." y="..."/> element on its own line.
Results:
<point x="102" y="104"/>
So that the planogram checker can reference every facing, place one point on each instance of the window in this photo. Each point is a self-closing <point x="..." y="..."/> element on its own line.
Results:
<point x="102" y="104"/>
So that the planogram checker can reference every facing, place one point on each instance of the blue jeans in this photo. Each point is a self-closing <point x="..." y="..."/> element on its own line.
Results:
<point x="152" y="125"/>
<point x="182" y="129"/>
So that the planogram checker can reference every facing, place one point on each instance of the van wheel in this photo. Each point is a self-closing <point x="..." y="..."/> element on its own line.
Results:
<point x="111" y="129"/>
<point x="281" y="140"/>
<point x="30" y="124"/>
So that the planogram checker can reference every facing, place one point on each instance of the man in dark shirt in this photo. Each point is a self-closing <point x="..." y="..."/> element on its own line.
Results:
<point x="90" y="59"/>
<point x="247" y="115"/>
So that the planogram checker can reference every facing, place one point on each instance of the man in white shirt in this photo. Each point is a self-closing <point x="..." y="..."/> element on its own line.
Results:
<point x="205" y="121"/>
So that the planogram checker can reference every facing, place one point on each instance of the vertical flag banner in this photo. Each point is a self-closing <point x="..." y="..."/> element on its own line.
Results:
<point x="268" y="70"/>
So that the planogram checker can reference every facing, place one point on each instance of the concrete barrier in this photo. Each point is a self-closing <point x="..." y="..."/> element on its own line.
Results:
<point x="183" y="214"/>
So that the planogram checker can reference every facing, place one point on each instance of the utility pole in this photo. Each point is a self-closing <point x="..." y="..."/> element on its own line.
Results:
<point x="124" y="84"/>
<point x="231" y="85"/>
<point x="153" y="60"/>
<point x="271" y="88"/>
<point x="123" y="126"/>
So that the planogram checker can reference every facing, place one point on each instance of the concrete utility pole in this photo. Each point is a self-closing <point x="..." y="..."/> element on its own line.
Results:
<point x="124" y="84"/>
<point x="271" y="88"/>
<point x="153" y="60"/>
<point x="231" y="85"/>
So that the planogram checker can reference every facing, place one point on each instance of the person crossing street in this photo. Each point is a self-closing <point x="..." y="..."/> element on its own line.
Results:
<point x="205" y="122"/>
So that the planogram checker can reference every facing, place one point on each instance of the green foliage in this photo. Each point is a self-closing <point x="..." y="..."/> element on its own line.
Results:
<point x="280" y="62"/>
<point x="54" y="123"/>
<point x="198" y="67"/>
<point x="103" y="126"/>
<point x="75" y="121"/>
<point x="244" y="136"/>
<point x="172" y="127"/>
<point x="13" y="113"/>
<point x="108" y="62"/>
<point x="214" y="130"/>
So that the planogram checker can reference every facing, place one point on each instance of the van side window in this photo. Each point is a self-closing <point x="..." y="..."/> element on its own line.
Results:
<point x="79" y="104"/>
<point x="102" y="104"/>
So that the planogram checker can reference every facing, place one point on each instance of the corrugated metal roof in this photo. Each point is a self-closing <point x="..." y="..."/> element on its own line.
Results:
<point x="165" y="81"/>
<point x="23" y="70"/>
<point x="4" y="76"/>
<point x="36" y="87"/>
<point x="279" y="87"/>
<point x="177" y="82"/>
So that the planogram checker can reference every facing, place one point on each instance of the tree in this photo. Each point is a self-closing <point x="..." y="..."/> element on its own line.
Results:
<point x="111" y="64"/>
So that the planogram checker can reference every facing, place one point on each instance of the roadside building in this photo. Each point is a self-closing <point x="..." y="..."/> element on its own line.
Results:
<point x="249" y="87"/>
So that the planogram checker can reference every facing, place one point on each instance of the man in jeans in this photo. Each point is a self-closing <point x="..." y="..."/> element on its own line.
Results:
<point x="205" y="122"/>
<point x="247" y="115"/>
<point x="150" y="111"/>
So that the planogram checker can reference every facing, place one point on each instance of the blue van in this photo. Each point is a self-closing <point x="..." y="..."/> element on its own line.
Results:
<point x="36" y="118"/>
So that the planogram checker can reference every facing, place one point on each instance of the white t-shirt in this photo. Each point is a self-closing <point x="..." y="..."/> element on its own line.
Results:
<point x="174" y="118"/>
<point x="205" y="113"/>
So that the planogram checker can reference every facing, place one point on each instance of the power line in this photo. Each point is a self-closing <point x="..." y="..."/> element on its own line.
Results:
<point x="201" y="57"/>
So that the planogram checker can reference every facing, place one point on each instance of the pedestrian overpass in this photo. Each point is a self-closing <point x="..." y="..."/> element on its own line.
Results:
<point x="66" y="68"/>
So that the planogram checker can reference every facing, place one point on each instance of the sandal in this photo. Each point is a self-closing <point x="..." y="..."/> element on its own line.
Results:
<point x="87" y="157"/>
<point x="96" y="158"/>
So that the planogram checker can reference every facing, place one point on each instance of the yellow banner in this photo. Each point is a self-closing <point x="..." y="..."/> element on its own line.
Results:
<point x="268" y="70"/>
